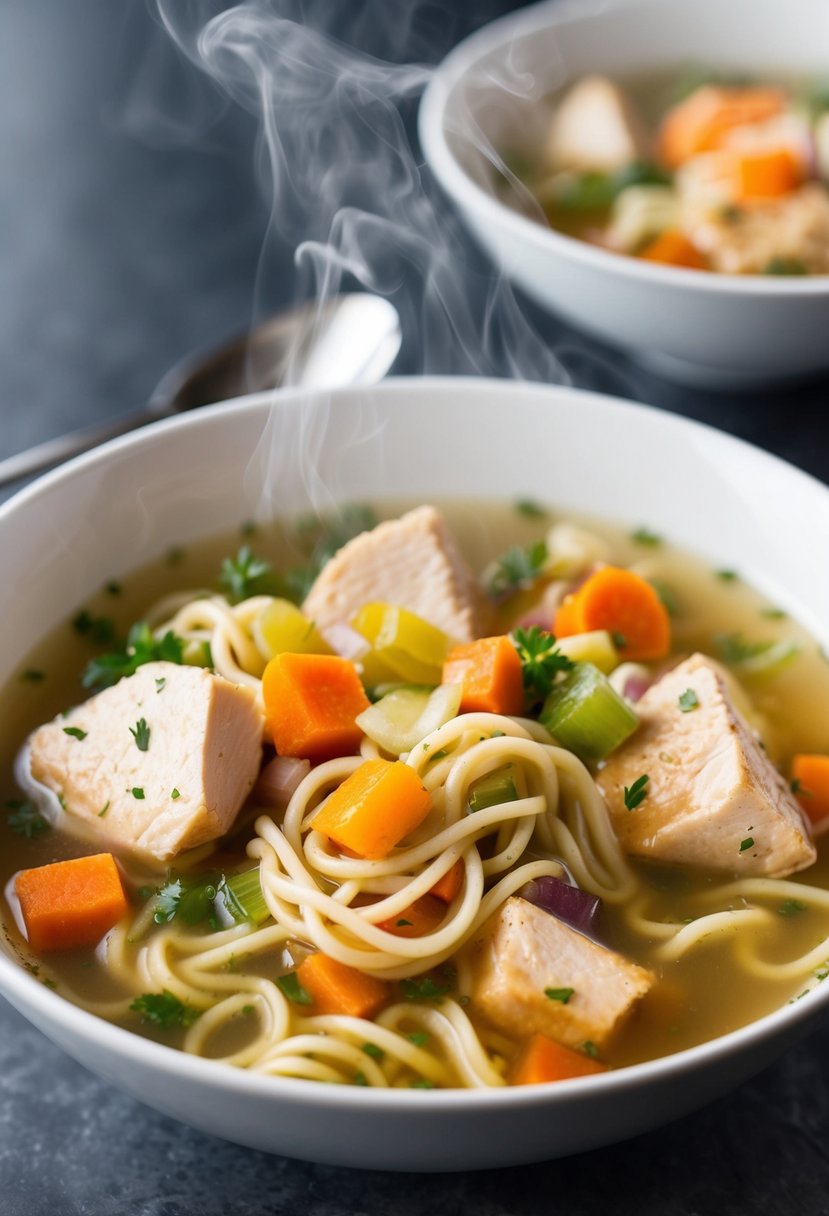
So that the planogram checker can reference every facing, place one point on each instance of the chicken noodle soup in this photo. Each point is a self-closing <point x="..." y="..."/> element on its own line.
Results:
<point x="701" y="171"/>
<point x="469" y="798"/>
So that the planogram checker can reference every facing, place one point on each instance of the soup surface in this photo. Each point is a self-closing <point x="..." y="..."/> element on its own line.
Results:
<point x="700" y="169"/>
<point x="445" y="950"/>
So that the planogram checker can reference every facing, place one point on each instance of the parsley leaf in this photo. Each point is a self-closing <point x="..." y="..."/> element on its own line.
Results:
<point x="137" y="792"/>
<point x="75" y="732"/>
<point x="559" y="994"/>
<point x="33" y="675"/>
<point x="791" y="907"/>
<point x="541" y="660"/>
<point x="245" y="575"/>
<point x="517" y="567"/>
<point x="637" y="792"/>
<point x="748" y="843"/>
<point x="26" y="820"/>
<point x="164" y="1009"/>
<point x="590" y="1049"/>
<point x="191" y="898"/>
<point x="98" y="629"/>
<point x="141" y="733"/>
<point x="419" y="1037"/>
<point x="530" y="509"/>
<point x="644" y="536"/>
<point x="371" y="1049"/>
<point x="293" y="990"/>
<point x="140" y="647"/>
<point x="688" y="700"/>
<point x="425" y="989"/>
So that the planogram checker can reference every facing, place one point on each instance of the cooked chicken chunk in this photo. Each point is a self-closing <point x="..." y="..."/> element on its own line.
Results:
<point x="594" y="127"/>
<point x="523" y="965"/>
<point x="158" y="763"/>
<point x="713" y="798"/>
<point x="411" y="562"/>
<point x="793" y="229"/>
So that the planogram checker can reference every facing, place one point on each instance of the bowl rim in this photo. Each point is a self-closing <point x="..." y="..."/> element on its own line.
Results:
<point x="462" y="188"/>
<point x="52" y="1010"/>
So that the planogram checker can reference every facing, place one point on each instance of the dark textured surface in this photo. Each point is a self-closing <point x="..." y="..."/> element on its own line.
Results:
<point x="131" y="230"/>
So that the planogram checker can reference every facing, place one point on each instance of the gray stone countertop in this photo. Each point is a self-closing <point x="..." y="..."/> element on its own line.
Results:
<point x="131" y="233"/>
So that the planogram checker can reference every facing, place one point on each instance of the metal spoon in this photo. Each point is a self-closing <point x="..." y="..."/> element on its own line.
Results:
<point x="350" y="339"/>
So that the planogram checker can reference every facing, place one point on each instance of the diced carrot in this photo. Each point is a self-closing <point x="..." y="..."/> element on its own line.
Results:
<point x="567" y="621"/>
<point x="336" y="988"/>
<point x="311" y="701"/>
<point x="380" y="803"/>
<point x="70" y="903"/>
<point x="625" y="605"/>
<point x="545" y="1060"/>
<point x="810" y="781"/>
<point x="766" y="174"/>
<point x="420" y="918"/>
<point x="446" y="888"/>
<point x="489" y="670"/>
<point x="672" y="248"/>
<point x="702" y="122"/>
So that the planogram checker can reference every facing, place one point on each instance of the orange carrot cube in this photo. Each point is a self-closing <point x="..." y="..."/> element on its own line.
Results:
<point x="489" y="671"/>
<point x="336" y="988"/>
<point x="311" y="701"/>
<point x="545" y="1060"/>
<point x="70" y="903"/>
<point x="380" y="803"/>
<point x="446" y="888"/>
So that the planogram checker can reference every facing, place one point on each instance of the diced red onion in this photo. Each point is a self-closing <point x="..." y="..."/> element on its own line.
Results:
<point x="636" y="687"/>
<point x="575" y="907"/>
<point x="348" y="643"/>
<point x="279" y="779"/>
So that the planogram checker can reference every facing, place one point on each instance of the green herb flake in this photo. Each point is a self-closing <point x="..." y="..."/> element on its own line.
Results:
<point x="164" y="1009"/>
<point x="419" y="1037"/>
<point x="75" y="732"/>
<point x="517" y="567"/>
<point x="113" y="588"/>
<point x="103" y="809"/>
<point x="425" y="989"/>
<point x="137" y="793"/>
<point x="141" y="734"/>
<point x="688" y="700"/>
<point x="530" y="509"/>
<point x="25" y="819"/>
<point x="245" y="575"/>
<point x="159" y="684"/>
<point x="667" y="596"/>
<point x="248" y="529"/>
<point x="174" y="556"/>
<point x="619" y="640"/>
<point x="140" y="647"/>
<point x="175" y="794"/>
<point x="541" y="660"/>
<point x="636" y="793"/>
<point x="248" y="1010"/>
<point x="791" y="907"/>
<point x="441" y="754"/>
<point x="797" y="787"/>
<point x="400" y="924"/>
<point x="422" y="1083"/>
<point x="773" y="614"/>
<point x="290" y="986"/>
<point x="727" y="576"/>
<point x="360" y="1078"/>
<point x="559" y="994"/>
<point x="590" y="1049"/>
<point x="644" y="536"/>
<point x="748" y="843"/>
<point x="33" y="675"/>
<point x="48" y="982"/>
<point x="371" y="1049"/>
<point x="785" y="266"/>
<point x="97" y="629"/>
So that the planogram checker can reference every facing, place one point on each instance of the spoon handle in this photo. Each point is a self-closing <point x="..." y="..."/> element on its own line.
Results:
<point x="53" y="451"/>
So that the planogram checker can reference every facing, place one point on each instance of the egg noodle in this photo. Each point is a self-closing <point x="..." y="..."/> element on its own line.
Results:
<point x="320" y="899"/>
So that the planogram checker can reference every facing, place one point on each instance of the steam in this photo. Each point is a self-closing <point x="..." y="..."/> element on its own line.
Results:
<point x="347" y="189"/>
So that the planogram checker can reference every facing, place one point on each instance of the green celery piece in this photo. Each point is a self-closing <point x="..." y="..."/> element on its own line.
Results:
<point x="492" y="790"/>
<point x="586" y="715"/>
<point x="243" y="898"/>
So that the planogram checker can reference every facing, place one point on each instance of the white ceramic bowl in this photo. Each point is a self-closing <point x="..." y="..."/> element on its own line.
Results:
<point x="708" y="329"/>
<point x="203" y="473"/>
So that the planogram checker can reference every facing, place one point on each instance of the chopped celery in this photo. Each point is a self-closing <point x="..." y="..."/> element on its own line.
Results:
<point x="410" y="646"/>
<point x="586" y="715"/>
<point x="281" y="627"/>
<point x="492" y="790"/>
<point x="595" y="647"/>
<point x="403" y="717"/>
<point x="242" y="896"/>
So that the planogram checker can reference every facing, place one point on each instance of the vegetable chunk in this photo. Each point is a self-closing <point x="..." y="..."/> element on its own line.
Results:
<point x="311" y="702"/>
<point x="490" y="673"/>
<point x="411" y="562"/>
<point x="594" y="127"/>
<point x="532" y="974"/>
<point x="336" y="988"/>
<point x="160" y="762"/>
<point x="380" y="803"/>
<point x="544" y="1060"/>
<point x="70" y="903"/>
<point x="712" y="798"/>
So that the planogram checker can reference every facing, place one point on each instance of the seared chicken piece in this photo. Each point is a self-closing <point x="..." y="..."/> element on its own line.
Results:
<point x="160" y="762"/>
<point x="594" y="127"/>
<point x="524" y="964"/>
<point x="713" y="798"/>
<point x="411" y="562"/>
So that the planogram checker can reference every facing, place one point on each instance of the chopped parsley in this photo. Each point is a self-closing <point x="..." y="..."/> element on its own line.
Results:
<point x="98" y="629"/>
<point x="541" y="660"/>
<point x="191" y="898"/>
<point x="637" y="792"/>
<point x="164" y="1009"/>
<point x="140" y="647"/>
<point x="559" y="994"/>
<point x="748" y="843"/>
<point x="419" y="1037"/>
<point x="290" y="986"/>
<point x="422" y="1083"/>
<point x="141" y="734"/>
<point x="159" y="684"/>
<point x="360" y="1078"/>
<point x="797" y="787"/>
<point x="371" y="1049"/>
<point x="24" y="819"/>
<point x="791" y="907"/>
<point x="530" y="509"/>
<point x="175" y="794"/>
<point x="245" y="575"/>
<point x="644" y="536"/>
<point x="688" y="700"/>
<point x="137" y="792"/>
<point x="727" y="576"/>
<point x="785" y="266"/>
<point x="590" y="1049"/>
<point x="667" y="596"/>
<point x="33" y="675"/>
<point x="75" y="732"/>
<point x="773" y="614"/>
<point x="400" y="924"/>
<point x="518" y="567"/>
<point x="619" y="640"/>
<point x="425" y="989"/>
<point x="103" y="809"/>
<point x="113" y="588"/>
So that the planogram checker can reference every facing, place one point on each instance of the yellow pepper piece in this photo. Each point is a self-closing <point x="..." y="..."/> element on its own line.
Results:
<point x="281" y="628"/>
<point x="410" y="646"/>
